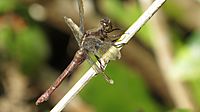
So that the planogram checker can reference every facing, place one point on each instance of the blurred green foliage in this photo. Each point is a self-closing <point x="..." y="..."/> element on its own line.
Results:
<point x="187" y="59"/>
<point x="126" y="15"/>
<point x="28" y="46"/>
<point x="179" y="110"/>
<point x="187" y="64"/>
<point x="7" y="5"/>
<point x="21" y="39"/>
<point x="128" y="94"/>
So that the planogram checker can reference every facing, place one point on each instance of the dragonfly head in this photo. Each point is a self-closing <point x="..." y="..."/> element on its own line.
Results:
<point x="106" y="25"/>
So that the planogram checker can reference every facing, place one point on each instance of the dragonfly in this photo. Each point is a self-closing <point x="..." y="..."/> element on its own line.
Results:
<point x="95" y="42"/>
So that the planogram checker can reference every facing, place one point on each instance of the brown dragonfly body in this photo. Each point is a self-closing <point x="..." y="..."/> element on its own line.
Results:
<point x="96" y="42"/>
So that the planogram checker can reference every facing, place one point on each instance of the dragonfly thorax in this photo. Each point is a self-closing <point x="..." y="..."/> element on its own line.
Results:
<point x="92" y="44"/>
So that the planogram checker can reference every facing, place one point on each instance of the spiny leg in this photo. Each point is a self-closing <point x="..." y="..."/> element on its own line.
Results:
<point x="101" y="65"/>
<point x="106" y="77"/>
<point x="117" y="42"/>
<point x="100" y="69"/>
<point x="115" y="29"/>
<point x="115" y="36"/>
<point x="118" y="45"/>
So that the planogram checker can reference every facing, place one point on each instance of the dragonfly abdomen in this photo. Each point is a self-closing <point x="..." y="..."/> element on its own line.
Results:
<point x="79" y="57"/>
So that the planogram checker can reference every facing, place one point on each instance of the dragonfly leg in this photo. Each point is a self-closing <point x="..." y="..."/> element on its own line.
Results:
<point x="106" y="77"/>
<point x="100" y="69"/>
<point x="118" y="45"/>
<point x="101" y="64"/>
<point x="115" y="29"/>
<point x="115" y="36"/>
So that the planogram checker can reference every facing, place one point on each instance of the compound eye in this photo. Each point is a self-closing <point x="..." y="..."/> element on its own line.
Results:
<point x="107" y="27"/>
<point x="104" y="24"/>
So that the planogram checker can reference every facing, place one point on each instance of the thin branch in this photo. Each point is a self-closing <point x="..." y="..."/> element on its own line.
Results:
<point x="111" y="54"/>
<point x="164" y="55"/>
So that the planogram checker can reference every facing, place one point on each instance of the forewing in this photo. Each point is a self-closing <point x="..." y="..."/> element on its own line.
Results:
<point x="75" y="29"/>
<point x="81" y="15"/>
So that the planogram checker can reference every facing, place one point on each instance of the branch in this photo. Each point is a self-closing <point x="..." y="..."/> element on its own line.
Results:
<point x="111" y="54"/>
<point x="164" y="55"/>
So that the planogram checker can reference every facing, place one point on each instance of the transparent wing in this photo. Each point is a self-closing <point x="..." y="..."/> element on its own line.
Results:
<point x="75" y="29"/>
<point x="81" y="15"/>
